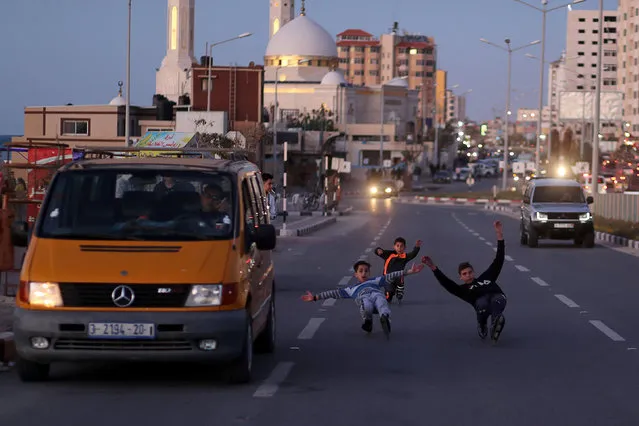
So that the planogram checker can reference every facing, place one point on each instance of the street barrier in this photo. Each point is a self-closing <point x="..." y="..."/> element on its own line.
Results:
<point x="617" y="207"/>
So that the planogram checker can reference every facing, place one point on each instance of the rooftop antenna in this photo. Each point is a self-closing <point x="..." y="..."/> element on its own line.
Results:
<point x="303" y="10"/>
<point x="120" y="84"/>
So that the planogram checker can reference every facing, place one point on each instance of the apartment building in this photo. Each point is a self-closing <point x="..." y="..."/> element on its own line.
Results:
<point x="369" y="61"/>
<point x="582" y="38"/>
<point x="455" y="106"/>
<point x="628" y="60"/>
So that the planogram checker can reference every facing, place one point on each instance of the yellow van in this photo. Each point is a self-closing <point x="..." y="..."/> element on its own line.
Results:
<point x="148" y="259"/>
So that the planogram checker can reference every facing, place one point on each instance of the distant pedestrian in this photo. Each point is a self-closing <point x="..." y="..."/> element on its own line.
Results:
<point x="267" y="179"/>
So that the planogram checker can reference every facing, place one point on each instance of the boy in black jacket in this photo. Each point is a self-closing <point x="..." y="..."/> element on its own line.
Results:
<point x="396" y="260"/>
<point x="483" y="293"/>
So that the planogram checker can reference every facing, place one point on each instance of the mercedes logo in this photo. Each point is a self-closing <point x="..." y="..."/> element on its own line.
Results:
<point x="123" y="296"/>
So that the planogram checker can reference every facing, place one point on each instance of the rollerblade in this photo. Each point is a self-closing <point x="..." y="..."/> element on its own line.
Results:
<point x="497" y="326"/>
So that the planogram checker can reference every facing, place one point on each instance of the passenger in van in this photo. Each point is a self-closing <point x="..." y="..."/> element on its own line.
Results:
<point x="169" y="184"/>
<point x="214" y="204"/>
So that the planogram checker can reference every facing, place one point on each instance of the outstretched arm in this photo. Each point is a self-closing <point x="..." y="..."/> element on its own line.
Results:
<point x="493" y="271"/>
<point x="413" y="254"/>
<point x="388" y="278"/>
<point x="448" y="284"/>
<point x="383" y="253"/>
<point x="329" y="294"/>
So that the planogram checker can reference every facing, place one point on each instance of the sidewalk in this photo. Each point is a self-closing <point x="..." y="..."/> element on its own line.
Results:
<point x="298" y="226"/>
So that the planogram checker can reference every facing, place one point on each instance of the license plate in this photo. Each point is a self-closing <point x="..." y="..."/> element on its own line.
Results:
<point x="565" y="225"/>
<point x="119" y="330"/>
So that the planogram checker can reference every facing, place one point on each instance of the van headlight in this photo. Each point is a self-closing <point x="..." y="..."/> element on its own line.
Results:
<point x="373" y="190"/>
<point x="205" y="295"/>
<point x="46" y="295"/>
<point x="388" y="190"/>
<point x="585" y="217"/>
<point x="540" y="216"/>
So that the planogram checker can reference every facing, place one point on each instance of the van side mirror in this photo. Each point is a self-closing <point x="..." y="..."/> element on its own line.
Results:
<point x="19" y="234"/>
<point x="590" y="200"/>
<point x="265" y="237"/>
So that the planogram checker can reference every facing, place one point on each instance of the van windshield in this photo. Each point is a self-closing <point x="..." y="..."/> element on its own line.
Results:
<point x="558" y="194"/>
<point x="138" y="204"/>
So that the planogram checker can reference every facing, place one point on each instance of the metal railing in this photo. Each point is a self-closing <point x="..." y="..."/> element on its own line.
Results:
<point x="617" y="206"/>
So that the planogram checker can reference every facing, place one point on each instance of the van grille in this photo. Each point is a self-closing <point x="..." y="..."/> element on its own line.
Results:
<point x="122" y="345"/>
<point x="77" y="295"/>
<point x="131" y="249"/>
<point x="563" y="216"/>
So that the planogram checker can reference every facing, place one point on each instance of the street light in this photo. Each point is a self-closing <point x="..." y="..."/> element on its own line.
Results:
<point x="127" y="108"/>
<point x="285" y="154"/>
<point x="209" y="49"/>
<point x="544" y="11"/>
<point x="595" y="132"/>
<point x="510" y="52"/>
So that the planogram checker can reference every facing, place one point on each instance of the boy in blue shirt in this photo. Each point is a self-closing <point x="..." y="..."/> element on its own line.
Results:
<point x="369" y="294"/>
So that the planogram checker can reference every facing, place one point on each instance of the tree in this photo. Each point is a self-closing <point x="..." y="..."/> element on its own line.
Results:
<point x="206" y="139"/>
<point x="567" y="143"/>
<point x="555" y="143"/>
<point x="317" y="119"/>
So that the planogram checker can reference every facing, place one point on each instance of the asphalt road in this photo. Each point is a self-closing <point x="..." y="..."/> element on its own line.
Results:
<point x="552" y="366"/>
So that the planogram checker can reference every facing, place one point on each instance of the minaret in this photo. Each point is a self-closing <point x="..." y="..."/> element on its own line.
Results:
<point x="282" y="12"/>
<point x="172" y="79"/>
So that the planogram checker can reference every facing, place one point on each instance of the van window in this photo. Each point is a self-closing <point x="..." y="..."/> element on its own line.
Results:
<point x="138" y="204"/>
<point x="261" y="202"/>
<point x="252" y="212"/>
<point x="558" y="194"/>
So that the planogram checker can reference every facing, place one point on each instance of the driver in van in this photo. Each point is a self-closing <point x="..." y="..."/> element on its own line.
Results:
<point x="214" y="204"/>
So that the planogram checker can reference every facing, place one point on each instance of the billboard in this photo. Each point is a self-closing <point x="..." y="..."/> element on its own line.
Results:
<point x="580" y="105"/>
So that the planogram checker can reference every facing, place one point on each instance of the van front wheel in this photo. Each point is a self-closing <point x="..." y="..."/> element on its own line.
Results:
<point x="241" y="369"/>
<point x="265" y="342"/>
<point x="30" y="371"/>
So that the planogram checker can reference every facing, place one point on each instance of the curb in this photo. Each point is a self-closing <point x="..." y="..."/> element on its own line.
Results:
<point x="600" y="236"/>
<point x="316" y="226"/>
<point x="418" y="199"/>
<point x="346" y="211"/>
<point x="7" y="347"/>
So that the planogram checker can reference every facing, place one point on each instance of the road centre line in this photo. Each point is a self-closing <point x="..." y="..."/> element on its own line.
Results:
<point x="368" y="250"/>
<point x="599" y="325"/>
<point x="482" y="238"/>
<point x="508" y="258"/>
<point x="311" y="328"/>
<point x="566" y="301"/>
<point x="329" y="302"/>
<point x="540" y="282"/>
<point x="488" y="243"/>
<point x="522" y="268"/>
<point x="271" y="385"/>
<point x="344" y="281"/>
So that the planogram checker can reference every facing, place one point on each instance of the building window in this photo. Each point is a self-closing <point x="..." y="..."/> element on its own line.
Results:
<point x="374" y="61"/>
<point x="374" y="49"/>
<point x="610" y="67"/>
<point x="358" y="72"/>
<point x="419" y="73"/>
<point x="204" y="84"/>
<point x="580" y="87"/>
<point x="358" y="60"/>
<point x="609" y="82"/>
<point x="75" y="127"/>
<point x="580" y="65"/>
<point x="582" y="19"/>
<point x="580" y="53"/>
<point x="610" y="30"/>
<point x="595" y="20"/>
<point x="582" y="31"/>
<point x="160" y="129"/>
<point x="581" y="42"/>
<point x="429" y="74"/>
<point x="373" y="73"/>
<point x="595" y="42"/>
<point x="344" y="48"/>
<point x="610" y="19"/>
<point x="610" y="53"/>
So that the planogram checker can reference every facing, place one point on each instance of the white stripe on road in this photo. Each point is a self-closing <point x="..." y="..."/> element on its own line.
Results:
<point x="311" y="328"/>
<point x="344" y="281"/>
<point x="508" y="258"/>
<point x="368" y="250"/>
<point x="612" y="334"/>
<point x="482" y="238"/>
<point x="488" y="243"/>
<point x="376" y="238"/>
<point x="566" y="301"/>
<point x="363" y="257"/>
<point x="522" y="268"/>
<point x="270" y="386"/>
<point x="494" y="248"/>
<point x="540" y="281"/>
<point x="329" y="302"/>
<point x="373" y="244"/>
<point x="476" y="234"/>
<point x="470" y="230"/>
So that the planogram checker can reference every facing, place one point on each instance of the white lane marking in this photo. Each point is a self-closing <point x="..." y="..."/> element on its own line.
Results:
<point x="612" y="334"/>
<point x="476" y="234"/>
<point x="566" y="301"/>
<point x="470" y="230"/>
<point x="311" y="328"/>
<point x="373" y="244"/>
<point x="482" y="238"/>
<point x="376" y="238"/>
<point x="522" y="268"/>
<point x="495" y="249"/>
<point x="328" y="302"/>
<point x="270" y="386"/>
<point x="363" y="257"/>
<point x="508" y="258"/>
<point x="345" y="280"/>
<point x="540" y="281"/>
<point x="488" y="243"/>
<point x="368" y="250"/>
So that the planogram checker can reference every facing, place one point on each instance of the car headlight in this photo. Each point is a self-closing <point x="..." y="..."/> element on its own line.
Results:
<point x="205" y="295"/>
<point x="373" y="190"/>
<point x="541" y="216"/>
<point x="561" y="171"/>
<point x="46" y="295"/>
<point x="585" y="217"/>
<point x="388" y="190"/>
<point x="516" y="178"/>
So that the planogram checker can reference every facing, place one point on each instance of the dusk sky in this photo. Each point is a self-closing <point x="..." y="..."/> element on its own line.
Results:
<point x="73" y="51"/>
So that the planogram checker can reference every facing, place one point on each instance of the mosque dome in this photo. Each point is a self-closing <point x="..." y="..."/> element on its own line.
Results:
<point x="334" y="78"/>
<point x="302" y="37"/>
<point x="118" y="100"/>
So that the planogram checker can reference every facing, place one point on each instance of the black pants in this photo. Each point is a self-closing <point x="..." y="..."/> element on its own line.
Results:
<point x="490" y="305"/>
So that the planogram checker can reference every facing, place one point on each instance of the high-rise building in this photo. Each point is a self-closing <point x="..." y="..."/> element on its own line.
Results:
<point x="628" y="61"/>
<point x="369" y="61"/>
<point x="582" y="38"/>
<point x="441" y="79"/>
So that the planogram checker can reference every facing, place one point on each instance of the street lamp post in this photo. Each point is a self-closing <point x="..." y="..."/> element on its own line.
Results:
<point x="127" y="108"/>
<point x="510" y="51"/>
<point x="595" y="131"/>
<point x="544" y="11"/>
<point x="209" y="54"/>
